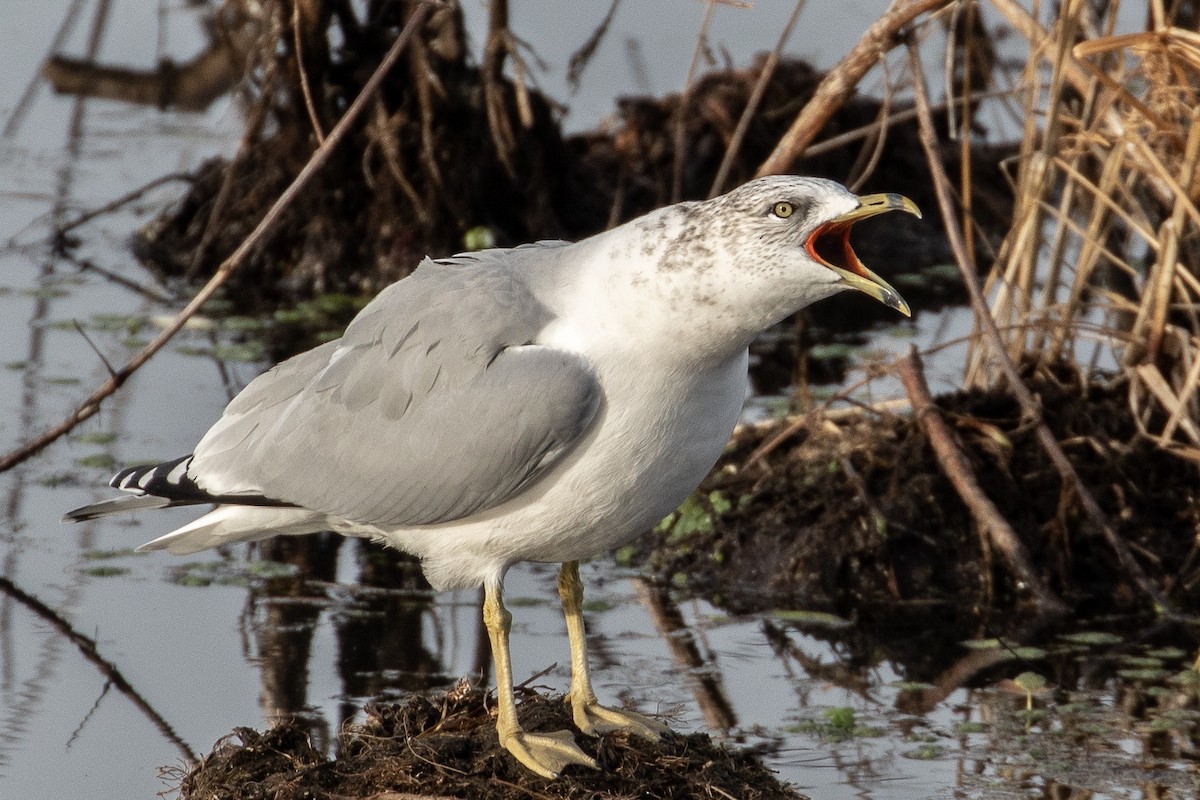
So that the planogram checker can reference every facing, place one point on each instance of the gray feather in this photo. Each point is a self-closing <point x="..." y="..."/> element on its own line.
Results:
<point x="433" y="405"/>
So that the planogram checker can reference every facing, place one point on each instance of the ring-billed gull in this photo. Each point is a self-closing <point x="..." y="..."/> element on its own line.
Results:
<point x="547" y="402"/>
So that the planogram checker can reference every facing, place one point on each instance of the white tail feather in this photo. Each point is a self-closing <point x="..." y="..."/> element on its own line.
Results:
<point x="233" y="524"/>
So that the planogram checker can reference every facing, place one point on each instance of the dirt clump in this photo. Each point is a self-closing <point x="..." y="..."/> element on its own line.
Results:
<point x="857" y="518"/>
<point x="445" y="745"/>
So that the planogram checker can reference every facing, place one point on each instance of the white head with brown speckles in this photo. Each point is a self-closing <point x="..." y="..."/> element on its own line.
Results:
<point x="740" y="262"/>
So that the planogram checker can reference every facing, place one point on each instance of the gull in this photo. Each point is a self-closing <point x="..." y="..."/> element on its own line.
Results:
<point x="547" y="403"/>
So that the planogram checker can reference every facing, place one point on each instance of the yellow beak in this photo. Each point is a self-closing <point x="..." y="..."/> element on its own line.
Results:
<point x="852" y="271"/>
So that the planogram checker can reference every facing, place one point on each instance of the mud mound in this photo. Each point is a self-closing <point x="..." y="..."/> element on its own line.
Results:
<point x="858" y="518"/>
<point x="445" y="745"/>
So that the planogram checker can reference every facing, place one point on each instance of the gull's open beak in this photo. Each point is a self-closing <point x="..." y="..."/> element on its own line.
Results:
<point x="833" y="239"/>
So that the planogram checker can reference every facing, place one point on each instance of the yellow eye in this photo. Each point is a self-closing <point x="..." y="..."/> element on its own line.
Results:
<point x="783" y="210"/>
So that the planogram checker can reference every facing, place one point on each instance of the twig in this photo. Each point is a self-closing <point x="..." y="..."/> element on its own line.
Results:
<point x="583" y="56"/>
<point x="86" y="265"/>
<point x="756" y="96"/>
<point x="125" y="199"/>
<point x="894" y="118"/>
<point x="305" y="88"/>
<point x="985" y="322"/>
<point x="92" y="404"/>
<point x="107" y="365"/>
<point x="992" y="524"/>
<point x="678" y="125"/>
<point x="839" y="83"/>
<point x="88" y="648"/>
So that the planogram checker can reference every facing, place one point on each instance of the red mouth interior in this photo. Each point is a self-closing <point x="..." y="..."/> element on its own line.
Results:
<point x="830" y="244"/>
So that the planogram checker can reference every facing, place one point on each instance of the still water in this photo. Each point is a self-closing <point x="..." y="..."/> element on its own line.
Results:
<point x="169" y="654"/>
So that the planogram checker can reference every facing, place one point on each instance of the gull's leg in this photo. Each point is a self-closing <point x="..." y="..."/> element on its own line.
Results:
<point x="544" y="753"/>
<point x="591" y="717"/>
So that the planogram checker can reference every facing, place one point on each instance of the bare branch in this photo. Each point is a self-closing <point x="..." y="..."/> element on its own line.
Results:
<point x="91" y="404"/>
<point x="839" y="83"/>
<point x="993" y="527"/>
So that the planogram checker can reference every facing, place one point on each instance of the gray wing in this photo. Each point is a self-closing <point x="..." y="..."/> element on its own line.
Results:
<point x="434" y="405"/>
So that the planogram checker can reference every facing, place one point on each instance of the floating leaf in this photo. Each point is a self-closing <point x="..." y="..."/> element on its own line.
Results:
<point x="103" y="571"/>
<point x="982" y="644"/>
<point x="245" y="351"/>
<point x="1141" y="662"/>
<point x="946" y="273"/>
<point x="841" y="717"/>
<point x="911" y="686"/>
<point x="820" y="619"/>
<point x="1168" y="653"/>
<point x="97" y="461"/>
<point x="1092" y="638"/>
<point x="101" y="555"/>
<point x="481" y="237"/>
<point x="116" y="322"/>
<point x="268" y="569"/>
<point x="524" y="602"/>
<point x="626" y="556"/>
<point x="1029" y="653"/>
<point x="926" y="752"/>
<point x="96" y="437"/>
<point x="241" y="324"/>
<point x="1189" y="677"/>
<point x="824" y="352"/>
<point x="1143" y="675"/>
<point x="1030" y="682"/>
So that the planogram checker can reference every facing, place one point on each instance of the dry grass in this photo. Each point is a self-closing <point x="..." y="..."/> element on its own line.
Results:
<point x="1101" y="261"/>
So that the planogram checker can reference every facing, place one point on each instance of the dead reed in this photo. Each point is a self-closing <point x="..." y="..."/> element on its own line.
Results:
<point x="1101" y="262"/>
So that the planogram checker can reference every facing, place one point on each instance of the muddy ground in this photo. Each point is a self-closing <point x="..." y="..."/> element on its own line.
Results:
<point x="856" y="517"/>
<point x="445" y="745"/>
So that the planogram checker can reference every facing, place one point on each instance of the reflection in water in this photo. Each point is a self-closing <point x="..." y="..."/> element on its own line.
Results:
<point x="379" y="625"/>
<point x="23" y="698"/>
<point x="703" y="673"/>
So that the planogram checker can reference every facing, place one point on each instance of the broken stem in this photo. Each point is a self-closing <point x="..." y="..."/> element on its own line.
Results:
<point x="955" y="466"/>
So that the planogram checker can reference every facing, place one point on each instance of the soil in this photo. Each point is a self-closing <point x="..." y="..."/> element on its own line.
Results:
<point x="857" y="518"/>
<point x="445" y="745"/>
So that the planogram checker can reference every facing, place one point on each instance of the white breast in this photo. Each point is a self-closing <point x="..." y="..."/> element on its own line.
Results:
<point x="656" y="437"/>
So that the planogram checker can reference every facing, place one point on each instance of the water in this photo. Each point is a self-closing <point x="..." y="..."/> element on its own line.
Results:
<point x="187" y="649"/>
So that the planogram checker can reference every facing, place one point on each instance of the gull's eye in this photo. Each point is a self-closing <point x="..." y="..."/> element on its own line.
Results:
<point x="783" y="210"/>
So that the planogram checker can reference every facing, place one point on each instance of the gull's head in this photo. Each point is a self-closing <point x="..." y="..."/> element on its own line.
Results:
<point x="741" y="262"/>
<point x="790" y="236"/>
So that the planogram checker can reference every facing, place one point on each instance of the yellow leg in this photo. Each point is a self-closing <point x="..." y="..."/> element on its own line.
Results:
<point x="543" y="753"/>
<point x="591" y="717"/>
